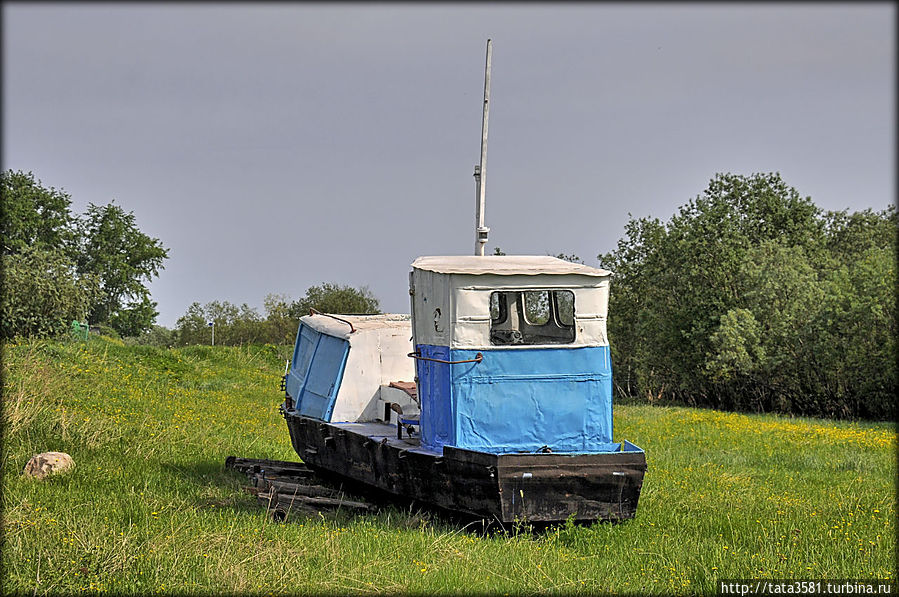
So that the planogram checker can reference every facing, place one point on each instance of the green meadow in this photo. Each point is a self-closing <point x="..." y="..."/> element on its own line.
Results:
<point x="150" y="508"/>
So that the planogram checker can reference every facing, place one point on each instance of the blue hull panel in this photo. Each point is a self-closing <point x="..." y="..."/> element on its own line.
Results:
<point x="518" y="400"/>
<point x="316" y="372"/>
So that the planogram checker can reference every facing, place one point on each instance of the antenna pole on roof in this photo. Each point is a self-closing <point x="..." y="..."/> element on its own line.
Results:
<point x="480" y="171"/>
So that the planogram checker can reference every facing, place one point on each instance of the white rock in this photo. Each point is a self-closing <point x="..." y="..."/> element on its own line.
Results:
<point x="48" y="463"/>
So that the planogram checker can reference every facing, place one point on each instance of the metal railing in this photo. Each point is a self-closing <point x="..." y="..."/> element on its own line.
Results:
<point x="417" y="355"/>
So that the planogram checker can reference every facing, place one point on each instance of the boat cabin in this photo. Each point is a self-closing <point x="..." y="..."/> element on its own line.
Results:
<point x="512" y="354"/>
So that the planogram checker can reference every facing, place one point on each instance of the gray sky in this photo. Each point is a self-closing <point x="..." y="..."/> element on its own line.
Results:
<point x="273" y="147"/>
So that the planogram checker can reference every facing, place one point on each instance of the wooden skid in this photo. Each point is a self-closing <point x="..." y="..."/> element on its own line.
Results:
<point x="287" y="503"/>
<point x="268" y="467"/>
<point x="290" y="487"/>
<point x="505" y="487"/>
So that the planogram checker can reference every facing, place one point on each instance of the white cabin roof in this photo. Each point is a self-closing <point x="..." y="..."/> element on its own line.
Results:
<point x="339" y="329"/>
<point x="504" y="265"/>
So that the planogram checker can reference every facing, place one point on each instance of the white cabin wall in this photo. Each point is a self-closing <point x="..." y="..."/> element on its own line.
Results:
<point x="471" y="318"/>
<point x="471" y="306"/>
<point x="361" y="377"/>
<point x="394" y="348"/>
<point x="377" y="356"/>
<point x="431" y="293"/>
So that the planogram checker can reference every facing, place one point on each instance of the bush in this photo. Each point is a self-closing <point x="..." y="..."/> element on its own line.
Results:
<point x="41" y="295"/>
<point x="106" y="331"/>
<point x="158" y="336"/>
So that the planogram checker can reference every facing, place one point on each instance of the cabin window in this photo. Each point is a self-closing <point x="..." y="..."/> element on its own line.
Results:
<point x="531" y="317"/>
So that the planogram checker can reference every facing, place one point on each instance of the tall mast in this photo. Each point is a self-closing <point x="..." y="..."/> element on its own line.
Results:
<point x="480" y="171"/>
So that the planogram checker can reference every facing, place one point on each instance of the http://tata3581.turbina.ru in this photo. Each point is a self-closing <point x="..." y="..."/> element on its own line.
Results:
<point x="493" y="398"/>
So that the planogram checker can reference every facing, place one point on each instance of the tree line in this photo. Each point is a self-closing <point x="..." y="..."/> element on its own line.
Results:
<point x="60" y="267"/>
<point x="238" y="325"/>
<point x="752" y="298"/>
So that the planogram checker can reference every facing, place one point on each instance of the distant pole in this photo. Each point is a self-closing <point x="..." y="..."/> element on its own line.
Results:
<point x="212" y="325"/>
<point x="480" y="171"/>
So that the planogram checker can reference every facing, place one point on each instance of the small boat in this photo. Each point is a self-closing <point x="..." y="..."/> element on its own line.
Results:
<point x="494" y="397"/>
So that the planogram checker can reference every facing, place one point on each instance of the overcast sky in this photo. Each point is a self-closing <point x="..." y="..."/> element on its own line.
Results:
<point x="273" y="147"/>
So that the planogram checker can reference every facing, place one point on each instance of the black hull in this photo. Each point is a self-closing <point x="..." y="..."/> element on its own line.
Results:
<point x="504" y="487"/>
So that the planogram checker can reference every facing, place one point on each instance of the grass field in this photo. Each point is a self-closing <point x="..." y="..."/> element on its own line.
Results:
<point x="149" y="507"/>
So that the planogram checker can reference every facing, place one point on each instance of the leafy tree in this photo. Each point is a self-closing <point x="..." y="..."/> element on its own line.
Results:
<point x="243" y="325"/>
<point x="124" y="259"/>
<point x="191" y="327"/>
<point x="42" y="294"/>
<point x="334" y="298"/>
<point x="157" y="335"/>
<point x="136" y="318"/>
<point x="849" y="235"/>
<point x="282" y="326"/>
<point x="751" y="298"/>
<point x="247" y="327"/>
<point x="234" y="325"/>
<point x="855" y="335"/>
<point x="781" y="302"/>
<point x="103" y="254"/>
<point x="635" y="303"/>
<point x="736" y="346"/>
<point x="572" y="258"/>
<point x="34" y="216"/>
<point x="856" y="332"/>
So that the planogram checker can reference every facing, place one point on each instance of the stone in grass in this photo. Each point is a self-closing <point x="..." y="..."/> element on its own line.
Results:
<point x="48" y="463"/>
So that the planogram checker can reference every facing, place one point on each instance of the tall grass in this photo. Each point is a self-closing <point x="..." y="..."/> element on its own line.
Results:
<point x="149" y="507"/>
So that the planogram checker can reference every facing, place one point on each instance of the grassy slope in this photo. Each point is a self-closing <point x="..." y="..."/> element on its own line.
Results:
<point x="149" y="507"/>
